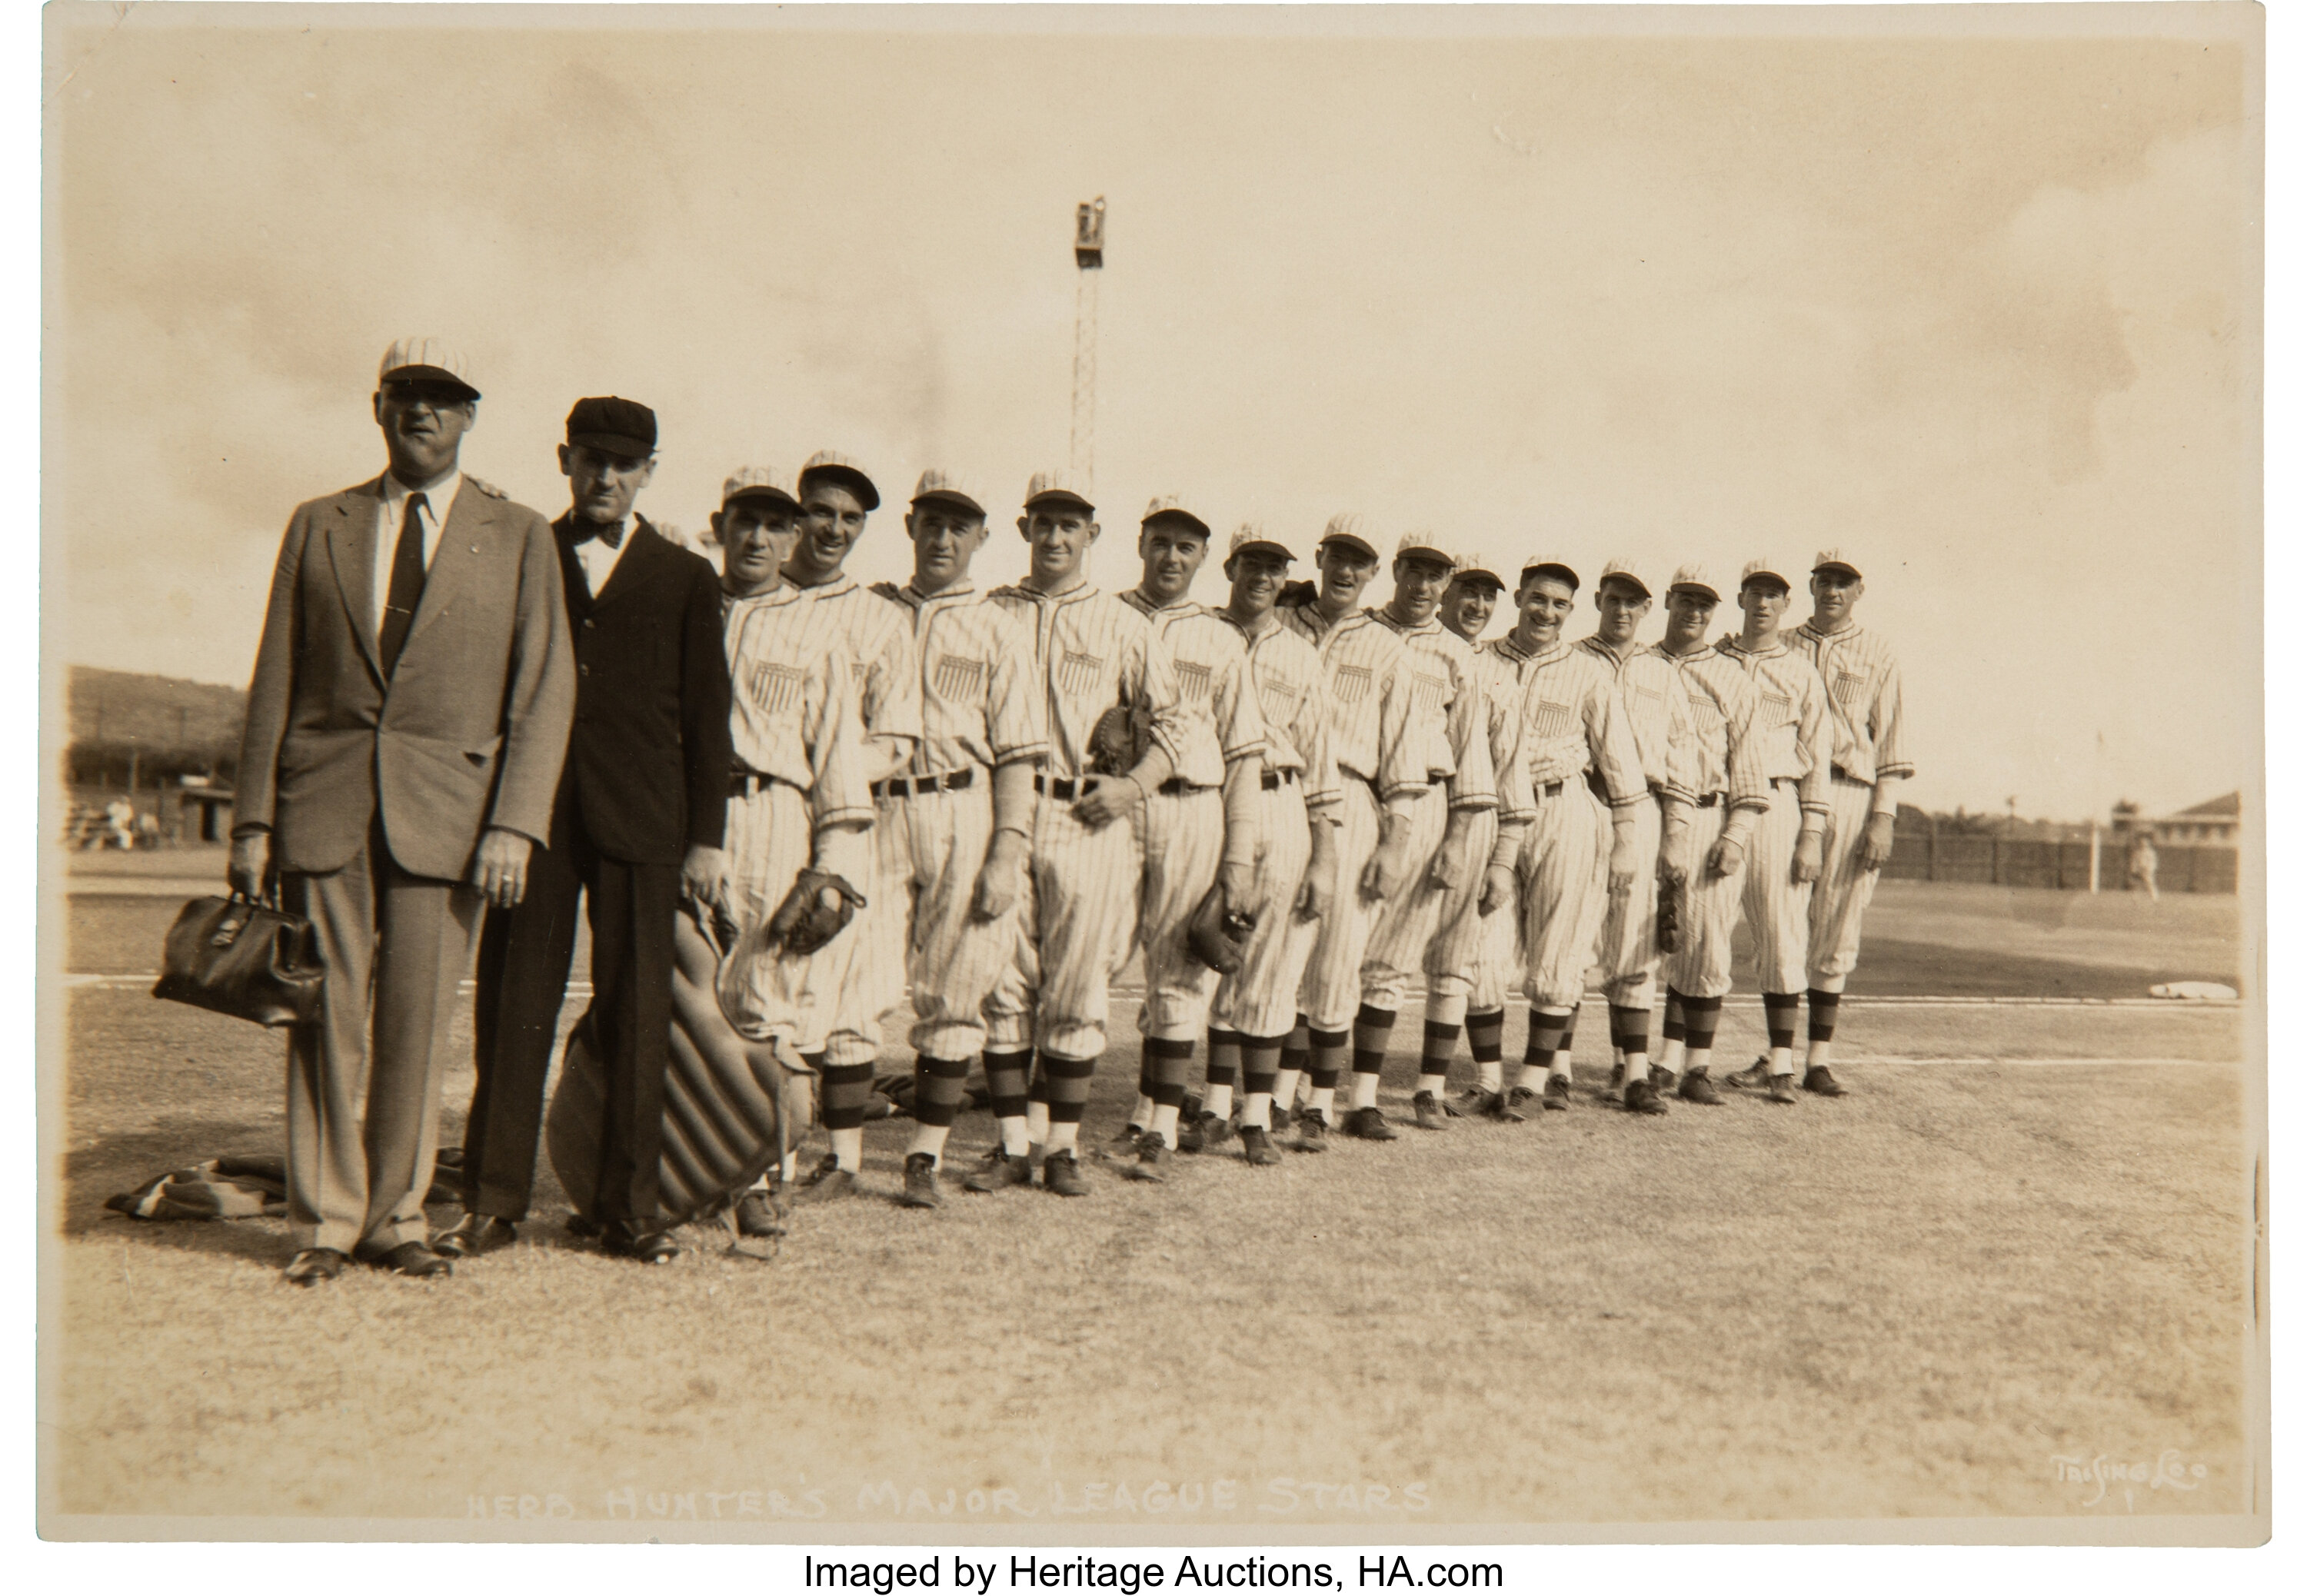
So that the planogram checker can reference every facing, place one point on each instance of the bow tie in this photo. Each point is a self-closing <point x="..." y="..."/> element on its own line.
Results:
<point x="583" y="531"/>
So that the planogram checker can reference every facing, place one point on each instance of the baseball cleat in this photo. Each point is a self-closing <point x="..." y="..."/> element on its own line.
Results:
<point x="1370" y="1124"/>
<point x="1190" y="1138"/>
<point x="921" y="1183"/>
<point x="1663" y="1078"/>
<point x="1642" y="1098"/>
<point x="1819" y="1079"/>
<point x="828" y="1180"/>
<point x="1519" y="1097"/>
<point x="1062" y="1174"/>
<point x="756" y="1216"/>
<point x="1618" y="1078"/>
<point x="1782" y="1087"/>
<point x="1558" y="1093"/>
<point x="1313" y="1130"/>
<point x="1215" y="1128"/>
<point x="1473" y="1102"/>
<point x="1126" y="1142"/>
<point x="1000" y="1169"/>
<point x="1257" y="1146"/>
<point x="1697" y="1088"/>
<point x="1151" y="1153"/>
<point x="1757" y="1073"/>
<point x="1429" y="1110"/>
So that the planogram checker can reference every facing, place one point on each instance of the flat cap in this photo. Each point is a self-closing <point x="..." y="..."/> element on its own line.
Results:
<point x="614" y="426"/>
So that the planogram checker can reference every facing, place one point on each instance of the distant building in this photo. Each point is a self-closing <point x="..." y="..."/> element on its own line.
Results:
<point x="2212" y="823"/>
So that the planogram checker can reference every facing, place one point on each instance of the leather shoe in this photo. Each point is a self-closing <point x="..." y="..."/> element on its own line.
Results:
<point x="312" y="1266"/>
<point x="756" y="1216"/>
<point x="624" y="1239"/>
<point x="1697" y="1088"/>
<point x="413" y="1259"/>
<point x="1818" y="1078"/>
<point x="475" y="1234"/>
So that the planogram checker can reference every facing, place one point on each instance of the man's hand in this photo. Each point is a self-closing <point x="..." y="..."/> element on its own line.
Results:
<point x="501" y="867"/>
<point x="1875" y="847"/>
<point x="999" y="879"/>
<point x="1240" y="881"/>
<point x="704" y="874"/>
<point x="1623" y="864"/>
<point x="1108" y="799"/>
<point x="1382" y="878"/>
<point x="1810" y="855"/>
<point x="1497" y="889"/>
<point x="251" y="870"/>
<point x="1316" y="892"/>
<point x="1723" y="858"/>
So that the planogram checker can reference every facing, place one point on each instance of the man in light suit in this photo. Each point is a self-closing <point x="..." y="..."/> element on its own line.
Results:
<point x="405" y="725"/>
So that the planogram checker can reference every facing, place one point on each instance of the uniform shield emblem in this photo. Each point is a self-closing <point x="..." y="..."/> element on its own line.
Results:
<point x="1194" y="682"/>
<point x="775" y="688"/>
<point x="1080" y="673"/>
<point x="1351" y="683"/>
<point x="959" y="680"/>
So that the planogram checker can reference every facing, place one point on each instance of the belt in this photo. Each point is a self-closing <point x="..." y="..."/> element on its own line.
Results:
<point x="1786" y="780"/>
<point x="1551" y="788"/>
<point x="744" y="783"/>
<point x="1178" y="787"/>
<point x="1058" y="787"/>
<point x="1843" y="775"/>
<point x="1272" y="780"/>
<point x="1709" y="800"/>
<point x="1598" y="786"/>
<point x="918" y="786"/>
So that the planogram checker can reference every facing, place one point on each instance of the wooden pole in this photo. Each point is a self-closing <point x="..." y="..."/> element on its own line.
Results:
<point x="2094" y="864"/>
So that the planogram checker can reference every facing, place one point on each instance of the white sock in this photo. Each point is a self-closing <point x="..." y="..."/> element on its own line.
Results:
<point x="1165" y="1124"/>
<point x="1220" y="1101"/>
<point x="1697" y="1060"/>
<point x="1533" y="1078"/>
<point x="1285" y="1093"/>
<point x="1783" y="1061"/>
<point x="1365" y="1090"/>
<point x="1258" y="1111"/>
<point x="1062" y="1136"/>
<point x="930" y="1139"/>
<point x="1014" y="1138"/>
<point x="1324" y="1101"/>
<point x="1638" y="1067"/>
<point x="1492" y="1075"/>
<point x="1142" y="1115"/>
<point x="849" y="1149"/>
<point x="1670" y="1057"/>
<point x="785" y="1168"/>
<point x="1820" y="1052"/>
<point x="1037" y="1123"/>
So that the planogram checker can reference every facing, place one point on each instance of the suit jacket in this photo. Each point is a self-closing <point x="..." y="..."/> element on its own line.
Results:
<point x="647" y="773"/>
<point x="469" y="731"/>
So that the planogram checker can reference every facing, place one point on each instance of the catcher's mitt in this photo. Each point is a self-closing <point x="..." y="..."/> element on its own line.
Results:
<point x="805" y="922"/>
<point x="1115" y="745"/>
<point x="1669" y="911"/>
<point x="1216" y="938"/>
<point x="1294" y="595"/>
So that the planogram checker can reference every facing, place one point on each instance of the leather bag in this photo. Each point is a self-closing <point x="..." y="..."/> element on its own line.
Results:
<point x="237" y="956"/>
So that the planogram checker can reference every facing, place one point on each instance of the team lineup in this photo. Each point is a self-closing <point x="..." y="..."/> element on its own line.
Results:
<point x="816" y="802"/>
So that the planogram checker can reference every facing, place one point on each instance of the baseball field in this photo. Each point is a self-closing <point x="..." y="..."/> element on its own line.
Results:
<point x="2010" y="1274"/>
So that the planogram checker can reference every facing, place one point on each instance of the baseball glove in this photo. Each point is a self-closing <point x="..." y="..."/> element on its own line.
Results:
<point x="805" y="922"/>
<point x="1215" y="937"/>
<point x="1669" y="911"/>
<point x="1114" y="743"/>
<point x="1294" y="595"/>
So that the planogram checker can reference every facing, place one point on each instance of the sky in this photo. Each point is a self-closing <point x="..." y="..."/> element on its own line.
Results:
<point x="1983" y="312"/>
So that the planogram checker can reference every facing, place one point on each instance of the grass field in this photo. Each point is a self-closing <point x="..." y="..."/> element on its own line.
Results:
<point x="1908" y="1303"/>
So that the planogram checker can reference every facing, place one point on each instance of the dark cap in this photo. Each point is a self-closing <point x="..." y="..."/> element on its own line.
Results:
<point x="614" y="426"/>
<point x="1553" y="570"/>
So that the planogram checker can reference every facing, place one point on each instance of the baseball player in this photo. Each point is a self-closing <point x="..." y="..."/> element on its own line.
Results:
<point x="1793" y="733"/>
<point x="1866" y="699"/>
<point x="1657" y="707"/>
<point x="1367" y="686"/>
<point x="952" y="832"/>
<point x="1728" y="797"/>
<point x="798" y="798"/>
<point x="835" y="497"/>
<point x="1092" y="654"/>
<point x="1200" y="825"/>
<point x="1575" y="745"/>
<point x="1474" y="956"/>
<point x="1295" y="828"/>
<point x="1449" y="714"/>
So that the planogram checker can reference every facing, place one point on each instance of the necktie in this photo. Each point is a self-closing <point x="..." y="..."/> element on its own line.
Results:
<point x="611" y="536"/>
<point x="407" y="586"/>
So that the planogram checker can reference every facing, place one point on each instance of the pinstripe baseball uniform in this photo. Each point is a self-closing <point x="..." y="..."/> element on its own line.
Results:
<point x="1476" y="954"/>
<point x="1185" y="823"/>
<point x="1724" y="775"/>
<point x="1657" y="707"/>
<point x="1448" y="717"/>
<point x="980" y="710"/>
<point x="1367" y="689"/>
<point x="1793" y="732"/>
<point x="1571" y="722"/>
<point x="1299" y="790"/>
<point x="1865" y="701"/>
<point x="881" y="648"/>
<point x="795" y="731"/>
<point x="1090" y="653"/>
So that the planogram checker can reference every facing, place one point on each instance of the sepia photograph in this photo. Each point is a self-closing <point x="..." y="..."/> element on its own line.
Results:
<point x="1251" y="779"/>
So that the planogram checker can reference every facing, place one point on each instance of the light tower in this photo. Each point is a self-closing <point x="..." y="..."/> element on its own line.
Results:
<point x="1089" y="265"/>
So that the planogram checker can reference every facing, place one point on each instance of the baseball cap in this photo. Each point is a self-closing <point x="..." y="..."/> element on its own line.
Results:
<point x="1550" y="568"/>
<point x="826" y="462"/>
<point x="614" y="426"/>
<point x="1250" y="535"/>
<point x="935" y="483"/>
<point x="1352" y="530"/>
<point x="1426" y="545"/>
<point x="1766" y="568"/>
<point x="756" y="482"/>
<point x="425" y="360"/>
<point x="1622" y="569"/>
<point x="1831" y="559"/>
<point x="1469" y="568"/>
<point x="1696" y="576"/>
<point x="1058" y="484"/>
<point x="1175" y="504"/>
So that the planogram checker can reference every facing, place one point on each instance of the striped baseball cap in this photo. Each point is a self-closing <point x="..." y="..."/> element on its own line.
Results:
<point x="1176" y="504"/>
<point x="756" y="482"/>
<point x="1426" y="545"/>
<point x="1058" y="484"/>
<point x="1766" y="568"/>
<point x="1622" y="569"/>
<point x="425" y="360"/>
<point x="1469" y="568"/>
<point x="937" y="484"/>
<point x="1696" y="576"/>
<point x="1353" y="531"/>
<point x="1250" y="535"/>
<point x="1550" y="568"/>
<point x="1834" y="559"/>
<point x="842" y="468"/>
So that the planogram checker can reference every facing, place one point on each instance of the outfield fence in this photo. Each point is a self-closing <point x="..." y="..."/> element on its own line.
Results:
<point x="2016" y="862"/>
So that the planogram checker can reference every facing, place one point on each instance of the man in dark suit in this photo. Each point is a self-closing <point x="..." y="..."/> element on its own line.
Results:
<point x="637" y="822"/>
<point x="406" y="724"/>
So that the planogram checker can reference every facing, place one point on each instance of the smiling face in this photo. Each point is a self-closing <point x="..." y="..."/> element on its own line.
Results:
<point x="1257" y="575"/>
<point x="1623" y="606"/>
<point x="832" y="520"/>
<point x="1173" y="548"/>
<point x="1418" y="582"/>
<point x="1346" y="571"/>
<point x="1058" y="533"/>
<point x="1467" y="605"/>
<point x="603" y="485"/>
<point x="1687" y="612"/>
<point x="946" y="536"/>
<point x="1541" y="604"/>
<point x="756" y="534"/>
<point x="423" y="422"/>
<point x="1834" y="594"/>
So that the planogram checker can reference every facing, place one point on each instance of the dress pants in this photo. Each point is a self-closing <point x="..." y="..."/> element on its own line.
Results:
<point x="524" y="973"/>
<point x="364" y="1079"/>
